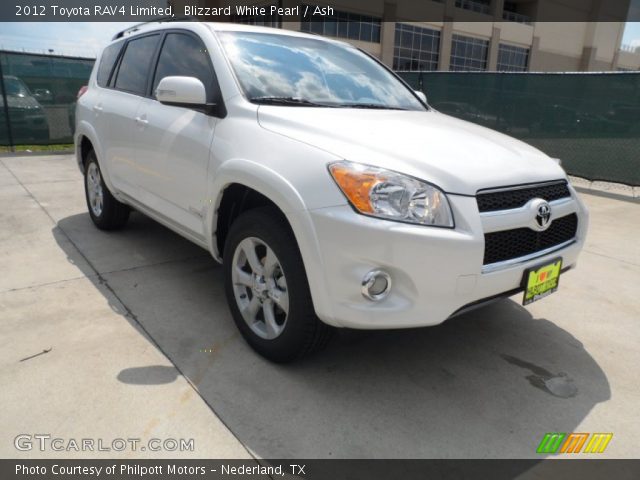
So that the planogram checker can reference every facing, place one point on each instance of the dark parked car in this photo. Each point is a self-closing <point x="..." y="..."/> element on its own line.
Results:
<point x="28" y="118"/>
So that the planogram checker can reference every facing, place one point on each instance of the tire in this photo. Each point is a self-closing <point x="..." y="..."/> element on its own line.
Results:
<point x="276" y="290"/>
<point x="106" y="212"/>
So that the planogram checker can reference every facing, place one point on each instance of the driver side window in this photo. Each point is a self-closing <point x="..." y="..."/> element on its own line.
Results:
<point x="184" y="55"/>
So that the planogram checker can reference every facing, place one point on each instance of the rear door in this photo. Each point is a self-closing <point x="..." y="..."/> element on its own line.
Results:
<point x="90" y="106"/>
<point x="119" y="105"/>
<point x="174" y="142"/>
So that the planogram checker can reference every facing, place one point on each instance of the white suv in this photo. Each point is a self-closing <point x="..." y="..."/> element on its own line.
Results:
<point x="331" y="192"/>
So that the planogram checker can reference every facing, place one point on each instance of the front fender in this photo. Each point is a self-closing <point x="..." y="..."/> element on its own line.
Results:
<point x="281" y="192"/>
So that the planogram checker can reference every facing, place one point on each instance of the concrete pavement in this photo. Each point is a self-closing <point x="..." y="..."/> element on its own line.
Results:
<point x="129" y="317"/>
<point x="102" y="376"/>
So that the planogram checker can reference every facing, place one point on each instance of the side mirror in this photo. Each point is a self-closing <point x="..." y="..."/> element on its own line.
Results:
<point x="421" y="96"/>
<point x="182" y="92"/>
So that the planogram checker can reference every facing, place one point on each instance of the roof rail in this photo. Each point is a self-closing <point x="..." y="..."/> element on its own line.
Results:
<point x="186" y="18"/>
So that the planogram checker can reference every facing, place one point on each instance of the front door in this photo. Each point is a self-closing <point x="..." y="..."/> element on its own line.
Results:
<point x="174" y="142"/>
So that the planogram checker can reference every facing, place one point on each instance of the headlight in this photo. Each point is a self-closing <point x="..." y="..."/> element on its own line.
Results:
<point x="391" y="195"/>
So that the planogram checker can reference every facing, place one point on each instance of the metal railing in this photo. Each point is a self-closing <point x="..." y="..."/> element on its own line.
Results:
<point x="516" y="17"/>
<point x="474" y="6"/>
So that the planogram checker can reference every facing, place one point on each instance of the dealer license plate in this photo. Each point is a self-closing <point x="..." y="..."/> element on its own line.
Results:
<point x="541" y="281"/>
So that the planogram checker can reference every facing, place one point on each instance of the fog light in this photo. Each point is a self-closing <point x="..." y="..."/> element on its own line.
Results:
<point x="376" y="285"/>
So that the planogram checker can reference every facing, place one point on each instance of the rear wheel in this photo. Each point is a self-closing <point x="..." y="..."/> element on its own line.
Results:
<point x="106" y="212"/>
<point x="267" y="288"/>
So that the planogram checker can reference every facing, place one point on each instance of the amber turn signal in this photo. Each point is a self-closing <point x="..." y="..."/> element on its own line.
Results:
<point x="356" y="184"/>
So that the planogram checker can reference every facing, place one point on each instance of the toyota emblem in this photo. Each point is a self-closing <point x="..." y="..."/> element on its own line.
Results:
<point x="543" y="215"/>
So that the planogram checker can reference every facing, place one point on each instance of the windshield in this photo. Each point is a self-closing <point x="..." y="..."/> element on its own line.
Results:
<point x="288" y="70"/>
<point x="15" y="87"/>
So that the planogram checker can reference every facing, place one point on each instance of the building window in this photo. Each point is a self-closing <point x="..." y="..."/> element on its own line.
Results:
<point x="511" y="13"/>
<point x="512" y="59"/>
<point x="344" y="25"/>
<point x="479" y="6"/>
<point x="274" y="21"/>
<point x="416" y="48"/>
<point x="468" y="53"/>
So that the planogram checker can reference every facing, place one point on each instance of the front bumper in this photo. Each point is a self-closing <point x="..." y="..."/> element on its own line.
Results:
<point x="435" y="271"/>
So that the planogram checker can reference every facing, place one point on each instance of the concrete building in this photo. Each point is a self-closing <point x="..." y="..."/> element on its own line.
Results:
<point x="491" y="35"/>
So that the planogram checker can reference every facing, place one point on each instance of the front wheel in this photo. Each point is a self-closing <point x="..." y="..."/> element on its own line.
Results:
<point x="106" y="212"/>
<point x="267" y="288"/>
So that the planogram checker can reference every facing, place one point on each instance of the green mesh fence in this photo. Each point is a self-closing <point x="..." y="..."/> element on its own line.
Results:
<point x="40" y="93"/>
<point x="589" y="120"/>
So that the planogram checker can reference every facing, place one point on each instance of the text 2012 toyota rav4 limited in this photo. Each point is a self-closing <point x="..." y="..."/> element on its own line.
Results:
<point x="332" y="194"/>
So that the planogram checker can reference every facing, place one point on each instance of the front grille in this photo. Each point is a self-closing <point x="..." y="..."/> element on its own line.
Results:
<point x="508" y="244"/>
<point x="508" y="199"/>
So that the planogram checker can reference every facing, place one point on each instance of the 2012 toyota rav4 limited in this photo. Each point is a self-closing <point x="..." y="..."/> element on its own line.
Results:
<point x="331" y="192"/>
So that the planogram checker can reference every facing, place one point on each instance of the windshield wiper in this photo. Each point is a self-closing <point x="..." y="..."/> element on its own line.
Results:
<point x="295" y="101"/>
<point x="376" y="106"/>
<point x="301" y="102"/>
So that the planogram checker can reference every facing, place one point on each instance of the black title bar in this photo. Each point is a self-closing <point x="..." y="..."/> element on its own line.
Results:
<point x="320" y="469"/>
<point x="389" y="10"/>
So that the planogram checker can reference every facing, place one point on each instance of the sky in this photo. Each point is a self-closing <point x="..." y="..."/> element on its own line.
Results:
<point x="632" y="34"/>
<point x="87" y="38"/>
<point x="67" y="38"/>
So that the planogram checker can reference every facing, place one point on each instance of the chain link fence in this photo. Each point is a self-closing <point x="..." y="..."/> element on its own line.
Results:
<point x="591" y="121"/>
<point x="38" y="95"/>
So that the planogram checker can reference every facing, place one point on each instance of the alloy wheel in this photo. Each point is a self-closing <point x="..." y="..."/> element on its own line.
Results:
<point x="260" y="288"/>
<point x="94" y="189"/>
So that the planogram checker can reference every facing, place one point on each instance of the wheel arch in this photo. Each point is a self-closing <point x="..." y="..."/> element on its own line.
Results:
<point x="85" y="145"/>
<point x="86" y="136"/>
<point x="244" y="177"/>
<point x="258" y="185"/>
<point x="86" y="139"/>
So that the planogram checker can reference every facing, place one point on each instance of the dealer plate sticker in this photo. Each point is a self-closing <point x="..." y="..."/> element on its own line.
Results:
<point x="541" y="281"/>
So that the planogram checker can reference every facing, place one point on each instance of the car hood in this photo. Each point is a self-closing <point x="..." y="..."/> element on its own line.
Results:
<point x="458" y="156"/>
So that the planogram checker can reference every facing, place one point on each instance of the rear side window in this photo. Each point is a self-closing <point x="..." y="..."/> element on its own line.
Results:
<point x="184" y="55"/>
<point x="107" y="61"/>
<point x="134" y="67"/>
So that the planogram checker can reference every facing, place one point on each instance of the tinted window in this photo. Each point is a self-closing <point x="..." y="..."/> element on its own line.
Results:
<point x="468" y="53"/>
<point x="108" y="59"/>
<point x="186" y="56"/>
<point x="134" y="67"/>
<point x="512" y="58"/>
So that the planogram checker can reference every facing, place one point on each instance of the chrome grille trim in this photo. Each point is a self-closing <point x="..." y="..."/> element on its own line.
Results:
<point x="520" y="187"/>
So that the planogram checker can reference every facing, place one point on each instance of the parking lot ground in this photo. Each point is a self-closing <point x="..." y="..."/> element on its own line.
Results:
<point x="140" y="344"/>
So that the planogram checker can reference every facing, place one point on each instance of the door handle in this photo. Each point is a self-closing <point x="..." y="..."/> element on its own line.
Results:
<point x="141" y="121"/>
<point x="97" y="108"/>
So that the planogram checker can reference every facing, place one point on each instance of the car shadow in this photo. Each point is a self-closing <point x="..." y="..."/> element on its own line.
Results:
<point x="487" y="384"/>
